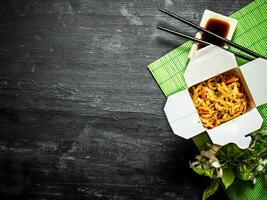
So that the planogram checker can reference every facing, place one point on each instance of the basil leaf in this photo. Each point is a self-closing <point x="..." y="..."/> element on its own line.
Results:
<point x="210" y="190"/>
<point x="228" y="177"/>
<point x="231" y="152"/>
<point x="205" y="172"/>
<point x="244" y="173"/>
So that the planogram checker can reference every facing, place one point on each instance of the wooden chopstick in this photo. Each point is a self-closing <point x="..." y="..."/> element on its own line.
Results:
<point x="233" y="44"/>
<point x="203" y="42"/>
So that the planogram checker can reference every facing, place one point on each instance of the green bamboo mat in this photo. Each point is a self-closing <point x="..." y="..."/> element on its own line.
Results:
<point x="168" y="72"/>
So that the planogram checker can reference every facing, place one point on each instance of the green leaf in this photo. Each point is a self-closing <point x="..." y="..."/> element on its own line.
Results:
<point x="210" y="190"/>
<point x="232" y="154"/>
<point x="228" y="177"/>
<point x="263" y="133"/>
<point x="244" y="173"/>
<point x="205" y="172"/>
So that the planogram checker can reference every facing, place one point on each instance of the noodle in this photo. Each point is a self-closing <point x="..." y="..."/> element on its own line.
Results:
<point x="219" y="99"/>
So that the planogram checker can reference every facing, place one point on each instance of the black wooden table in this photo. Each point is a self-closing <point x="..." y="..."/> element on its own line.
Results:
<point x="80" y="115"/>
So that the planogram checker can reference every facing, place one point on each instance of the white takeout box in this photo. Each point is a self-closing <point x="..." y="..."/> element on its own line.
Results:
<point x="207" y="63"/>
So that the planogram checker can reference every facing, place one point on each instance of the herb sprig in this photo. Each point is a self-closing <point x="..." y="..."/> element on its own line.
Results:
<point x="225" y="163"/>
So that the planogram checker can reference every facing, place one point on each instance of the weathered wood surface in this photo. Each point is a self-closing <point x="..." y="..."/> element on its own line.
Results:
<point x="80" y="115"/>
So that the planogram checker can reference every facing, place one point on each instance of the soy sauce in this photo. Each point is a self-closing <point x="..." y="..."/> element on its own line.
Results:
<point x="218" y="27"/>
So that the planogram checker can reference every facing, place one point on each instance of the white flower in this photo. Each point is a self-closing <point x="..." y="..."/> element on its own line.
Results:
<point x="195" y="164"/>
<point x="216" y="164"/>
<point x="259" y="168"/>
<point x="254" y="181"/>
<point x="220" y="173"/>
<point x="205" y="166"/>
<point x="215" y="148"/>
<point x="198" y="157"/>
<point x="202" y="153"/>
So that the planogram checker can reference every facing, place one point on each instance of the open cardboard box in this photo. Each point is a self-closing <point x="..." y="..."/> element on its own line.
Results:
<point x="207" y="63"/>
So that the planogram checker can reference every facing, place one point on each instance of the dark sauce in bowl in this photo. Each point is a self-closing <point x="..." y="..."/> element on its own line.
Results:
<point x="218" y="27"/>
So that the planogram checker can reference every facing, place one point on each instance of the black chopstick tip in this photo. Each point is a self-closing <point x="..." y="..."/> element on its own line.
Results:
<point x="161" y="28"/>
<point x="164" y="29"/>
<point x="163" y="10"/>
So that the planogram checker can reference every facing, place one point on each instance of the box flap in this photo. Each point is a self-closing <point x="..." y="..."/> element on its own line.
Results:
<point x="236" y="129"/>
<point x="188" y="126"/>
<point x="182" y="115"/>
<point x="255" y="73"/>
<point x="208" y="62"/>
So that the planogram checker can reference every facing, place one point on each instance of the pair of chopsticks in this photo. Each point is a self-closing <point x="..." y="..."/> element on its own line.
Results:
<point x="230" y="43"/>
